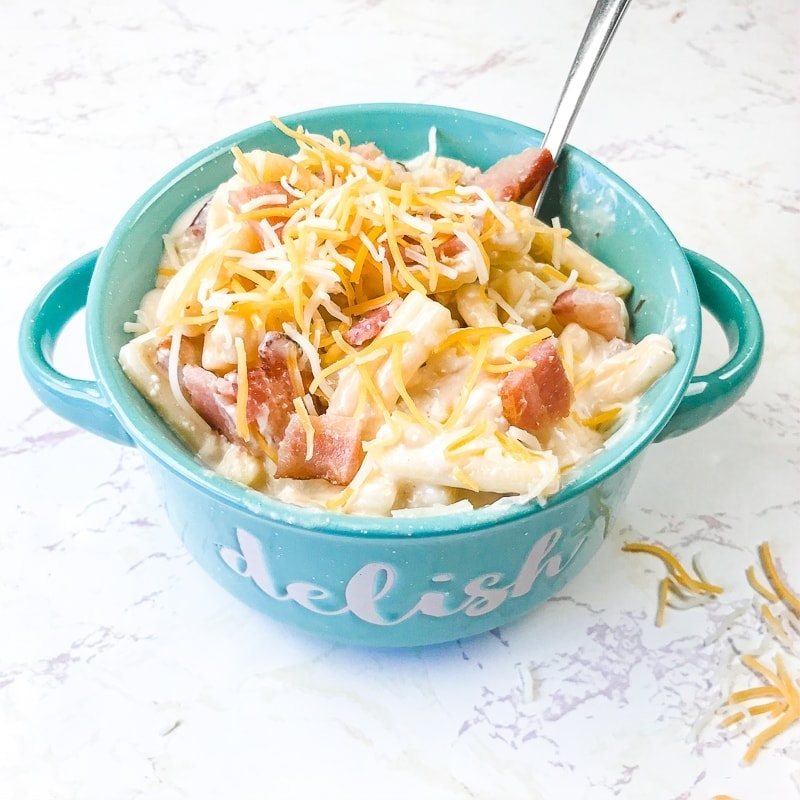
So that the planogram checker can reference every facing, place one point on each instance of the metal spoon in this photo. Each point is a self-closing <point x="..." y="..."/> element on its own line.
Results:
<point x="599" y="32"/>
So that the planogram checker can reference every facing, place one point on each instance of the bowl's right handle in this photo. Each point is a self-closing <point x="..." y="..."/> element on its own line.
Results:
<point x="78" y="401"/>
<point x="727" y="300"/>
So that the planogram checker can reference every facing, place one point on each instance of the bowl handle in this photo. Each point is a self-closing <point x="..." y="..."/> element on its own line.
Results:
<point x="78" y="401"/>
<point x="81" y="401"/>
<point x="726" y="299"/>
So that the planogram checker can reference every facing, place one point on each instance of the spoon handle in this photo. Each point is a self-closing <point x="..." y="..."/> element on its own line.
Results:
<point x="599" y="32"/>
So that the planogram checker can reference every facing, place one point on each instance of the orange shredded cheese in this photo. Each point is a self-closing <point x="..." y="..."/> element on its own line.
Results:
<point x="469" y="384"/>
<point x="468" y="437"/>
<point x="663" y="593"/>
<point x="371" y="304"/>
<point x="516" y="449"/>
<point x="242" y="426"/>
<point x="602" y="418"/>
<point x="308" y="427"/>
<point x="678" y="577"/>
<point x="466" y="337"/>
<point x="781" y="589"/>
<point x="780" y="684"/>
<point x="246" y="167"/>
<point x="527" y="341"/>
<point x="777" y="697"/>
<point x="732" y="719"/>
<point x="295" y="377"/>
<point x="766" y="593"/>
<point x="461" y="477"/>
<point x="396" y="361"/>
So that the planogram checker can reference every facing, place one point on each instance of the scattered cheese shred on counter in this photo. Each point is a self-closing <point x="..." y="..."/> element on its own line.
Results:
<point x="679" y="582"/>
<point x="771" y="706"/>
<point x="768" y="707"/>
<point x="779" y="687"/>
<point x="783" y="708"/>
<point x="781" y="590"/>
<point x="766" y="593"/>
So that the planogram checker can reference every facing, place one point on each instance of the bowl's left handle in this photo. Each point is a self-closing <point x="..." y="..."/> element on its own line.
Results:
<point x="76" y="400"/>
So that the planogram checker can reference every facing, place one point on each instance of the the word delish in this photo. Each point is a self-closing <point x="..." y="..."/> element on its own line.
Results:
<point x="366" y="590"/>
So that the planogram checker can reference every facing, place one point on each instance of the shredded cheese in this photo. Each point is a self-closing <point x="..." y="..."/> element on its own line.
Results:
<point x="396" y="360"/>
<point x="467" y="437"/>
<point x="472" y="377"/>
<point x="786" y="709"/>
<point x="602" y="418"/>
<point x="461" y="477"/>
<point x="244" y="165"/>
<point x="242" y="426"/>
<point x="308" y="427"/>
<point x="775" y="699"/>
<point x="678" y="579"/>
<point x="766" y="593"/>
<point x="780" y="588"/>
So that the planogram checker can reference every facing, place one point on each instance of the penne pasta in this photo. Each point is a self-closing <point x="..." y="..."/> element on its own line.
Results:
<point x="334" y="328"/>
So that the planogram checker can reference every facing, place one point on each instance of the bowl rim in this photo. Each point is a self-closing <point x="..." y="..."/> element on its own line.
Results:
<point x="182" y="462"/>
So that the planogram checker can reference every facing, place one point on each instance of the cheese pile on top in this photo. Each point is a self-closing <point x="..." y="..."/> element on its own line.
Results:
<point x="337" y="328"/>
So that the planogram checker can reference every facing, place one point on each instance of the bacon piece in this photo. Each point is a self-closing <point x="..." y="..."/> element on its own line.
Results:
<point x="197" y="227"/>
<point x="516" y="176"/>
<point x="368" y="150"/>
<point x="239" y="198"/>
<point x="536" y="397"/>
<point x="337" y="452"/>
<point x="271" y="389"/>
<point x="600" y="312"/>
<point x="213" y="398"/>
<point x="368" y="326"/>
<point x="450" y="248"/>
<point x="189" y="352"/>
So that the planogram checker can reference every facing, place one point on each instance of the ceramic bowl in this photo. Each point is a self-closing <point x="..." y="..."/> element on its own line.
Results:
<point x="397" y="581"/>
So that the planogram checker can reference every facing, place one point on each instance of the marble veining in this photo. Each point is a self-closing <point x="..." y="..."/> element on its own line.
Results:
<point x="126" y="673"/>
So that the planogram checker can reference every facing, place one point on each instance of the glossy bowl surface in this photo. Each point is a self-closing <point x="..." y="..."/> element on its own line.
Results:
<point x="404" y="580"/>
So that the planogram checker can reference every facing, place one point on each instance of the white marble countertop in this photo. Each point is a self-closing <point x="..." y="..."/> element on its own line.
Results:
<point x="126" y="673"/>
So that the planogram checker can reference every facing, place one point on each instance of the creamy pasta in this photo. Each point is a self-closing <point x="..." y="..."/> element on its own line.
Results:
<point x="336" y="328"/>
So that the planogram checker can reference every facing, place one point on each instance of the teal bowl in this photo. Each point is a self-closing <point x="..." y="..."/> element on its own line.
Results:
<point x="398" y="581"/>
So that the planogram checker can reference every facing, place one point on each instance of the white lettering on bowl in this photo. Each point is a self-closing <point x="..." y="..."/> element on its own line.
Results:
<point x="367" y="588"/>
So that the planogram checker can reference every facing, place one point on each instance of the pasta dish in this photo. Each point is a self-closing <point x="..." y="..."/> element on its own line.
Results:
<point x="339" y="329"/>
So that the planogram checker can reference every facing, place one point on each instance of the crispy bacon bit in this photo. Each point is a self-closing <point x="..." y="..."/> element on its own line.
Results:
<point x="518" y="176"/>
<point x="189" y="352"/>
<point x="598" y="311"/>
<point x="536" y="397"/>
<point x="271" y="385"/>
<point x="213" y="399"/>
<point x="278" y="196"/>
<point x="197" y="227"/>
<point x="368" y="326"/>
<point x="450" y="247"/>
<point x="337" y="449"/>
